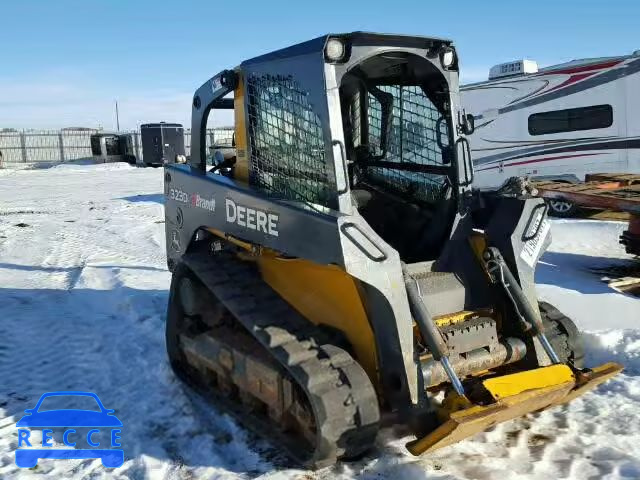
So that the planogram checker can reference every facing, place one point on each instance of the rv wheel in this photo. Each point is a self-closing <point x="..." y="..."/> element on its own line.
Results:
<point x="561" y="208"/>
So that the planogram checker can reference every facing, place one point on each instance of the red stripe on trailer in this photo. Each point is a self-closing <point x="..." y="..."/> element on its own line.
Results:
<point x="586" y="68"/>
<point x="572" y="79"/>
<point x="546" y="159"/>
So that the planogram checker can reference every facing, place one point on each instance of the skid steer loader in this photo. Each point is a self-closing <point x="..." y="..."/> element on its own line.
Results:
<point x="338" y="264"/>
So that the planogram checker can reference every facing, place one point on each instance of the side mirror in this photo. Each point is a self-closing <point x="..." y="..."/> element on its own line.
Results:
<point x="467" y="123"/>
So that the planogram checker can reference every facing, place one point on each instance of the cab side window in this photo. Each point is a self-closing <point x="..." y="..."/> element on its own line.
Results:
<point x="287" y="148"/>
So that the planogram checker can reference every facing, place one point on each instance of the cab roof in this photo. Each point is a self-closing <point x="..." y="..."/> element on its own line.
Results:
<point x="355" y="39"/>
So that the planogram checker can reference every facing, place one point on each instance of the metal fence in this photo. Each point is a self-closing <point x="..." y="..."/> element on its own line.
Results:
<point x="57" y="146"/>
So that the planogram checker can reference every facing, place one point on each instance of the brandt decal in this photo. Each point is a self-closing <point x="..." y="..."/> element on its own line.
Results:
<point x="201" y="202"/>
<point x="252" y="218"/>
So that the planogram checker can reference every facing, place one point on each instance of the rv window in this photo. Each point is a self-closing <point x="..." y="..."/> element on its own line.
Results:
<point x="571" y="120"/>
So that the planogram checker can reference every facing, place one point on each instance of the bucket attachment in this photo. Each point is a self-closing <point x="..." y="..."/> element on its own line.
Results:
<point x="515" y="395"/>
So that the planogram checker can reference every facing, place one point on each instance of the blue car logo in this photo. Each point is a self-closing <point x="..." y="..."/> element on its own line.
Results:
<point x="66" y="420"/>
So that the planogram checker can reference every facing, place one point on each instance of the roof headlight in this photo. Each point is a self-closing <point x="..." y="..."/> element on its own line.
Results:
<point x="335" y="50"/>
<point x="447" y="57"/>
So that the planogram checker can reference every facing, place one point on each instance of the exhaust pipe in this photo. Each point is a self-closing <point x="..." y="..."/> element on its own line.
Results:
<point x="508" y="351"/>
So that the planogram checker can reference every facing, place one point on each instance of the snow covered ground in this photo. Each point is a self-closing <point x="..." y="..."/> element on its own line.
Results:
<point x="83" y="289"/>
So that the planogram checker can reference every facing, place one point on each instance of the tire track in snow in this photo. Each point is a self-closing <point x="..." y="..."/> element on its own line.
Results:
<point x="86" y="329"/>
<point x="66" y="256"/>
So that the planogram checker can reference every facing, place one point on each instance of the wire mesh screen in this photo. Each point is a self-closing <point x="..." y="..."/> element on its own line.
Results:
<point x="287" y="148"/>
<point x="412" y="138"/>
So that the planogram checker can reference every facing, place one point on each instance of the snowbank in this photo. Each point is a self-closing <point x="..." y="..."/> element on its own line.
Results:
<point x="569" y="277"/>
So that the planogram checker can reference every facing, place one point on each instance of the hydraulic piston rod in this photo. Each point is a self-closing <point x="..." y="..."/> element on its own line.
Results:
<point x="500" y="273"/>
<point x="430" y="333"/>
<point x="508" y="351"/>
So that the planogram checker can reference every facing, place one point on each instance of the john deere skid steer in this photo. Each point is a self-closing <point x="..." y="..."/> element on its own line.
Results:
<point x="338" y="265"/>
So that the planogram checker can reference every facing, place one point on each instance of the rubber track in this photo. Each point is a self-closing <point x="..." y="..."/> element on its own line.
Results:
<point x="563" y="334"/>
<point x="342" y="397"/>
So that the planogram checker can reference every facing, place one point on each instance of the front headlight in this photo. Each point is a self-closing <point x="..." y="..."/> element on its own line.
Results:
<point x="447" y="57"/>
<point x="335" y="50"/>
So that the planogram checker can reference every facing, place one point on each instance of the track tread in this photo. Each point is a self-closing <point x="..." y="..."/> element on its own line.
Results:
<point x="343" y="399"/>
<point x="563" y="334"/>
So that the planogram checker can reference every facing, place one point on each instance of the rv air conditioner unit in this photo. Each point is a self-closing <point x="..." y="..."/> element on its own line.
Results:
<point x="509" y="69"/>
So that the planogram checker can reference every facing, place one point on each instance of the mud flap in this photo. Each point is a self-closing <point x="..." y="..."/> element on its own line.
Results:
<point x="476" y="418"/>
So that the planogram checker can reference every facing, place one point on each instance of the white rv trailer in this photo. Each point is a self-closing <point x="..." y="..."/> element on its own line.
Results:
<point x="556" y="123"/>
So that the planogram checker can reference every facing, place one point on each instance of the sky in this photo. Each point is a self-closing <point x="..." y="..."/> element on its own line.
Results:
<point x="65" y="62"/>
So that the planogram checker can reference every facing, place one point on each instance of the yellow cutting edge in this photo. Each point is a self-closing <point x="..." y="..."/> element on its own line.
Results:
<point x="515" y="395"/>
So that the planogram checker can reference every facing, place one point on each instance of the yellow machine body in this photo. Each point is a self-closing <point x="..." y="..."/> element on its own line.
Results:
<point x="325" y="295"/>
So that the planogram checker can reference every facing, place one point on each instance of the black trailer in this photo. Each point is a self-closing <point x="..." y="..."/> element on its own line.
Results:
<point x="161" y="143"/>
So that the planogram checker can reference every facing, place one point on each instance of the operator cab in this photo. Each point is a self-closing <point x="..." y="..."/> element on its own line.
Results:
<point x="397" y="126"/>
<point x="394" y="117"/>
